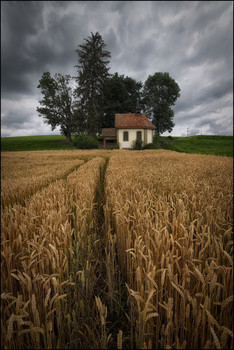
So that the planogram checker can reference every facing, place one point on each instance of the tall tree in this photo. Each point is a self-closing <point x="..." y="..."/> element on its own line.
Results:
<point x="92" y="75"/>
<point x="120" y="94"/>
<point x="57" y="107"/>
<point x="134" y="91"/>
<point x="159" y="94"/>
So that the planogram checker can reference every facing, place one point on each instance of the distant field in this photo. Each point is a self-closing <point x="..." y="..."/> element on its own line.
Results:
<point x="202" y="144"/>
<point x="211" y="145"/>
<point x="35" y="143"/>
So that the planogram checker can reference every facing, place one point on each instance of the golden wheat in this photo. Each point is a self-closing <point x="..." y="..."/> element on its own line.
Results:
<point x="38" y="236"/>
<point x="172" y="218"/>
<point x="165" y="236"/>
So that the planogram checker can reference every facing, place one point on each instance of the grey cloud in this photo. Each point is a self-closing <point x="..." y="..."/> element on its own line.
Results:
<point x="193" y="41"/>
<point x="191" y="132"/>
<point x="221" y="129"/>
<point x="20" y="118"/>
<point x="15" y="120"/>
<point x="35" y="41"/>
<point x="119" y="6"/>
<point x="215" y="127"/>
<point x="15" y="114"/>
<point x="218" y="90"/>
<point x="111" y="41"/>
<point x="196" y="33"/>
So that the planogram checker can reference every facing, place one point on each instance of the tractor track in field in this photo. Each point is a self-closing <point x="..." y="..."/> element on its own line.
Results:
<point x="117" y="309"/>
<point x="23" y="202"/>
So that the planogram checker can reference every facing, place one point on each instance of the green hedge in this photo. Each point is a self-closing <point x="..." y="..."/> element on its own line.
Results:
<point x="137" y="145"/>
<point x="151" y="146"/>
<point x="84" y="141"/>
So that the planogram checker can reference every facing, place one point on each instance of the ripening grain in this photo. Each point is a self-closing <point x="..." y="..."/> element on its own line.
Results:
<point x="170" y="216"/>
<point x="116" y="249"/>
<point x="23" y="175"/>
<point x="39" y="243"/>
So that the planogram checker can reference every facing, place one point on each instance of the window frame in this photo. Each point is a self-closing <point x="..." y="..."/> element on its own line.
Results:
<point x="125" y="136"/>
<point x="139" y="132"/>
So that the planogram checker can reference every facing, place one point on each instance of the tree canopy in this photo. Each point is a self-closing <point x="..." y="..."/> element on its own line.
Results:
<point x="120" y="95"/>
<point x="99" y="95"/>
<point x="92" y="75"/>
<point x="159" y="94"/>
<point x="57" y="106"/>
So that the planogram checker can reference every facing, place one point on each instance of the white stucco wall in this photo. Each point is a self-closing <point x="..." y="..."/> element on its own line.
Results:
<point x="149" y="136"/>
<point x="132" y="134"/>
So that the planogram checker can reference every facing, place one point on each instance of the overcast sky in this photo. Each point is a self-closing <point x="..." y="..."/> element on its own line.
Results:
<point x="191" y="40"/>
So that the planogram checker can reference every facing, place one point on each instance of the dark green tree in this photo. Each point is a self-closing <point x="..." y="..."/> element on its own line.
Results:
<point x="57" y="106"/>
<point x="115" y="96"/>
<point x="134" y="91"/>
<point x="120" y="94"/>
<point x="92" y="75"/>
<point x="160" y="92"/>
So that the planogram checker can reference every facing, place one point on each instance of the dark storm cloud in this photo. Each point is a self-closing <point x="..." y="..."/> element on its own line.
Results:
<point x="218" y="90"/>
<point x="20" y="21"/>
<point x="192" y="40"/>
<point x="36" y="36"/>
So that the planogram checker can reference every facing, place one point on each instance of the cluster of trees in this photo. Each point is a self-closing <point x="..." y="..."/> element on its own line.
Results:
<point x="98" y="95"/>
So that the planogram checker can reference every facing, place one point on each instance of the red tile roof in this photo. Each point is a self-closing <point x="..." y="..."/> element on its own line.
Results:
<point x="132" y="121"/>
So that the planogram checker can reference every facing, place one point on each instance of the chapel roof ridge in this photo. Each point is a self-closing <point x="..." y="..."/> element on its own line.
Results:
<point x="133" y="121"/>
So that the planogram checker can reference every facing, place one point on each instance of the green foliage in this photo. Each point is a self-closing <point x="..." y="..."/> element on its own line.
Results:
<point x="92" y="74"/>
<point x="160" y="142"/>
<point x="84" y="141"/>
<point x="159" y="94"/>
<point x="156" y="138"/>
<point x="120" y="95"/>
<point x="137" y="145"/>
<point x="57" y="104"/>
<point x="151" y="146"/>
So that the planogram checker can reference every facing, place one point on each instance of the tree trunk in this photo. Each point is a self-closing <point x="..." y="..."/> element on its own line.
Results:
<point x="69" y="139"/>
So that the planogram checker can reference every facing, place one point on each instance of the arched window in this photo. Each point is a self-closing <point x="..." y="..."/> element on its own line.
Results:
<point x="139" y="135"/>
<point x="125" y="135"/>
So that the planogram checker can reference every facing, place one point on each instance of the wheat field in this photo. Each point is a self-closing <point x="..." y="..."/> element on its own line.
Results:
<point x="116" y="250"/>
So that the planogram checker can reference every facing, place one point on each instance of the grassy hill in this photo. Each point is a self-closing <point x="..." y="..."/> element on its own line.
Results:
<point x="35" y="143"/>
<point x="202" y="144"/>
